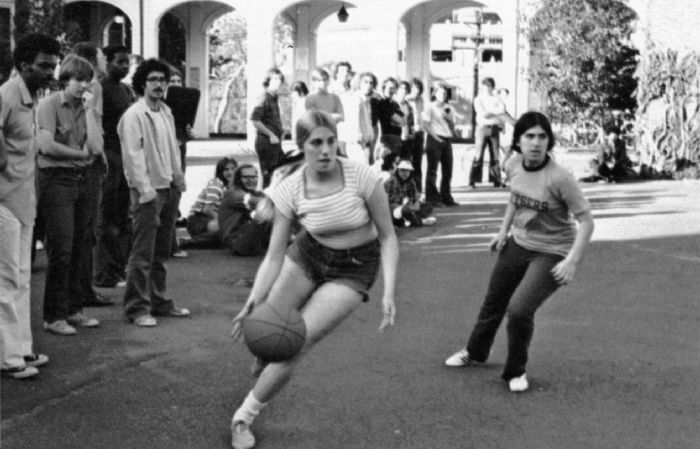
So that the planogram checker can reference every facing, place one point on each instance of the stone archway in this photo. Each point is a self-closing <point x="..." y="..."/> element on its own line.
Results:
<point x="102" y="22"/>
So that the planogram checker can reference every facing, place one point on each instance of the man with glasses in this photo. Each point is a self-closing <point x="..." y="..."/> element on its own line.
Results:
<point x="242" y="235"/>
<point x="151" y="159"/>
<point x="35" y="58"/>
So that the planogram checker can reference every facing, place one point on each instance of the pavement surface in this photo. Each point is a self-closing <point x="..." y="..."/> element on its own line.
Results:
<point x="614" y="362"/>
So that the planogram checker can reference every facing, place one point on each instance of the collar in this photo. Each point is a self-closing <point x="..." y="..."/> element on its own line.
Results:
<point x="27" y="97"/>
<point x="539" y="167"/>
<point x="66" y="101"/>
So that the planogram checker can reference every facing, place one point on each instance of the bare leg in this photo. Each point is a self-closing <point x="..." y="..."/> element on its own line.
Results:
<point x="328" y="307"/>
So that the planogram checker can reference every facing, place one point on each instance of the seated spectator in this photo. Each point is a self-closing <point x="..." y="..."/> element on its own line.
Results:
<point x="203" y="219"/>
<point x="386" y="162"/>
<point x="404" y="202"/>
<point x="239" y="232"/>
<point x="611" y="162"/>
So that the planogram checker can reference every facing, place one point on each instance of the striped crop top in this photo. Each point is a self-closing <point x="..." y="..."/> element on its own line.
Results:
<point x="329" y="217"/>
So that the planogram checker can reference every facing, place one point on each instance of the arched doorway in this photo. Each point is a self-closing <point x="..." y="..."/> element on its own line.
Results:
<point x="98" y="22"/>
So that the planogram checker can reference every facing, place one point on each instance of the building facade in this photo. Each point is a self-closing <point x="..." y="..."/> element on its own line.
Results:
<point x="396" y="41"/>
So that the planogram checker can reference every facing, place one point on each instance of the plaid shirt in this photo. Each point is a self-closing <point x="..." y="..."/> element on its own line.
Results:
<point x="397" y="190"/>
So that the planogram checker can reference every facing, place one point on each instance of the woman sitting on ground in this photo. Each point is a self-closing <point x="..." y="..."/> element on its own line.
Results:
<point x="404" y="201"/>
<point x="203" y="220"/>
<point x="239" y="232"/>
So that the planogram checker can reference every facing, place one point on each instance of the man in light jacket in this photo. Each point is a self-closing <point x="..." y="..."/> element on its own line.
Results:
<point x="151" y="159"/>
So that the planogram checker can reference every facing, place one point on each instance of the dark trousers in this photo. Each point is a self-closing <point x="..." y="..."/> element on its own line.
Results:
<point x="269" y="156"/>
<point x="251" y="239"/>
<point x="416" y="157"/>
<point x="438" y="153"/>
<point x="486" y="136"/>
<point x="414" y="217"/>
<point x="67" y="202"/>
<point x="95" y="178"/>
<point x="520" y="282"/>
<point x="113" y="228"/>
<point x="145" y="272"/>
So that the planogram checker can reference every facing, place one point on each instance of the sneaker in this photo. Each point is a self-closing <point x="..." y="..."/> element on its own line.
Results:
<point x="241" y="436"/>
<point x="35" y="360"/>
<point x="80" y="320"/>
<point x="459" y="358"/>
<point x="429" y="221"/>
<point x="60" y="327"/>
<point x="175" y="312"/>
<point x="19" y="372"/>
<point x="180" y="254"/>
<point x="518" y="384"/>
<point x="145" y="321"/>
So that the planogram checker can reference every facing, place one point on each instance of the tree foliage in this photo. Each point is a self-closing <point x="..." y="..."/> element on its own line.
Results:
<point x="668" y="118"/>
<point x="585" y="65"/>
<point x="43" y="16"/>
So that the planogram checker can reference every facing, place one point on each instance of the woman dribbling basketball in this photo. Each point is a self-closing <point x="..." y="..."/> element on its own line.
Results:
<point x="332" y="263"/>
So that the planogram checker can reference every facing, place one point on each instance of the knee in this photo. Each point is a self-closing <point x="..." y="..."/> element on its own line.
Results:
<point x="517" y="316"/>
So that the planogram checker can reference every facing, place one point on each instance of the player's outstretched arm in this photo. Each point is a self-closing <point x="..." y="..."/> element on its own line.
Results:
<point x="565" y="270"/>
<point x="378" y="206"/>
<point x="268" y="271"/>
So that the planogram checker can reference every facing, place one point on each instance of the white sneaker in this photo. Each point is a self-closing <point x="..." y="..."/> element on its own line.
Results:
<point x="80" y="320"/>
<point x="429" y="221"/>
<point x="518" y="384"/>
<point x="459" y="358"/>
<point x="241" y="436"/>
<point x="60" y="327"/>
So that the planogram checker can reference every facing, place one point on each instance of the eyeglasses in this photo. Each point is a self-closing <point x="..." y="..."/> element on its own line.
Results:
<point x="156" y="79"/>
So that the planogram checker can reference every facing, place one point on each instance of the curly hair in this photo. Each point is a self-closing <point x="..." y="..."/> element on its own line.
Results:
<point x="31" y="45"/>
<point x="144" y="69"/>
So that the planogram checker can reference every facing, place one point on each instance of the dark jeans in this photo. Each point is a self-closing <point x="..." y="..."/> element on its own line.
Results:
<point x="438" y="153"/>
<point x="269" y="156"/>
<point x="520" y="282"/>
<point x="415" y="217"/>
<point x="250" y="239"/>
<point x="95" y="178"/>
<point x="416" y="158"/>
<point x="113" y="228"/>
<point x="67" y="203"/>
<point x="145" y="273"/>
<point x="486" y="136"/>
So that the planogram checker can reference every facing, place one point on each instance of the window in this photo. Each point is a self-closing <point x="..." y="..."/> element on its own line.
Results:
<point x="441" y="55"/>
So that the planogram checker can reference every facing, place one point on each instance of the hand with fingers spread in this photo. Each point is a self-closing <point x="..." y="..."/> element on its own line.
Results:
<point x="564" y="271"/>
<point x="237" y="322"/>
<point x="389" y="310"/>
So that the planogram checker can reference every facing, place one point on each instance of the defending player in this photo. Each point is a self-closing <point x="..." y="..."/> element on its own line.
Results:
<point x="541" y="253"/>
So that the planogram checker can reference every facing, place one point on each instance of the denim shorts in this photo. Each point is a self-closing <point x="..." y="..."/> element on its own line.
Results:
<point x="354" y="267"/>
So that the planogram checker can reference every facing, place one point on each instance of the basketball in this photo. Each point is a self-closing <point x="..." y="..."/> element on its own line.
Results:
<point x="274" y="333"/>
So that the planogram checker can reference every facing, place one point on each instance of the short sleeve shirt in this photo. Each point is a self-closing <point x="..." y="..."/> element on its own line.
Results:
<point x="331" y="215"/>
<point x="17" y="192"/>
<point x="326" y="102"/>
<point x="546" y="201"/>
<point x="267" y="111"/>
<point x="67" y="123"/>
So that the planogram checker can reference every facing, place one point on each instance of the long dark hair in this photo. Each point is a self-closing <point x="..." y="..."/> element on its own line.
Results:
<point x="529" y="120"/>
<point x="221" y="166"/>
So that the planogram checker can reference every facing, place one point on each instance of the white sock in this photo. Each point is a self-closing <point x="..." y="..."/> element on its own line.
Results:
<point x="249" y="410"/>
